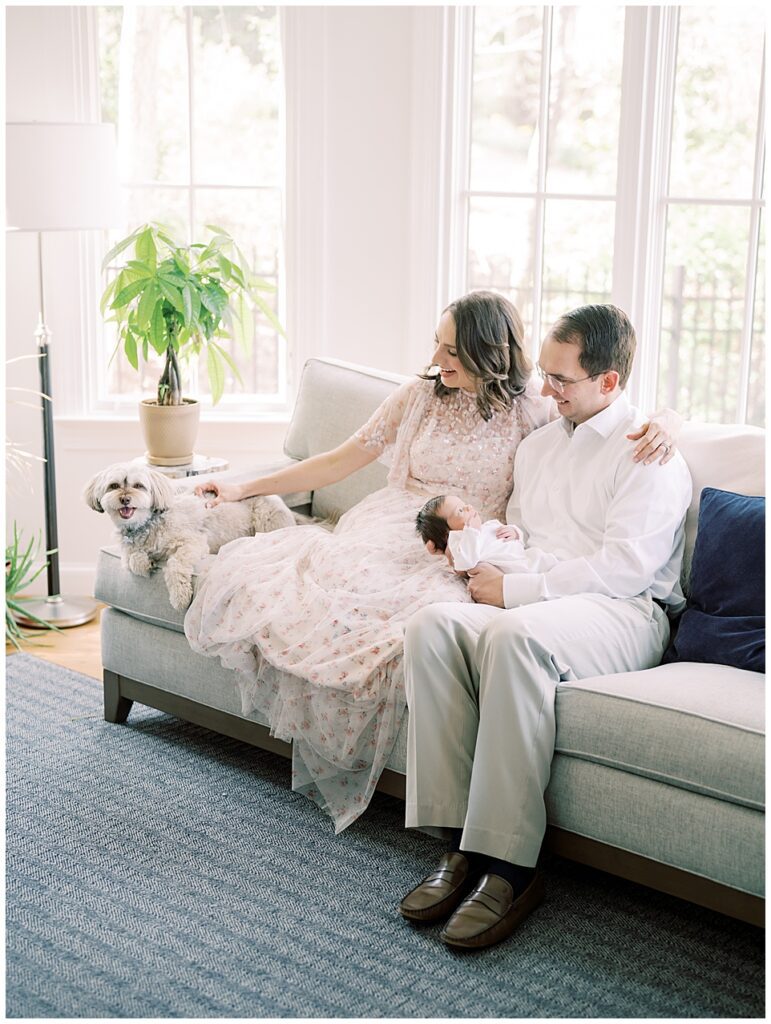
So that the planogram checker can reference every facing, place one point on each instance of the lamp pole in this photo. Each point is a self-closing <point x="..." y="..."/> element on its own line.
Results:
<point x="54" y="609"/>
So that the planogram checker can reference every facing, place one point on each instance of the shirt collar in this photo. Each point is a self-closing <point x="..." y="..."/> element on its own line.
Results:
<point x="604" y="422"/>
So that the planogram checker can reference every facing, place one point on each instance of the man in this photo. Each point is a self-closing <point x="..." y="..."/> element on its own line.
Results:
<point x="604" y="544"/>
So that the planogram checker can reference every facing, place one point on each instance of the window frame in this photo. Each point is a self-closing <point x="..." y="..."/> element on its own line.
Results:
<point x="642" y="199"/>
<point x="88" y="389"/>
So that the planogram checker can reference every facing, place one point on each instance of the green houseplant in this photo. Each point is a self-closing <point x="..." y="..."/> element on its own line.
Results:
<point x="20" y="572"/>
<point x="181" y="301"/>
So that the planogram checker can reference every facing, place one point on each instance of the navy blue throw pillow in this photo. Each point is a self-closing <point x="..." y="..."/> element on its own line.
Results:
<point x="725" y="620"/>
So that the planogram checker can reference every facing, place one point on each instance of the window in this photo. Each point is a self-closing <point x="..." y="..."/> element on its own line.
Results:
<point x="196" y="94"/>
<point x="616" y="155"/>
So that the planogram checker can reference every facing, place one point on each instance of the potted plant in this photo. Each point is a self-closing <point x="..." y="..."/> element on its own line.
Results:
<point x="181" y="301"/>
<point x="20" y="573"/>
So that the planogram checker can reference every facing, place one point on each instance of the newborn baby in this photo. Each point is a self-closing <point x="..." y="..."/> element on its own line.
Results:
<point x="451" y="524"/>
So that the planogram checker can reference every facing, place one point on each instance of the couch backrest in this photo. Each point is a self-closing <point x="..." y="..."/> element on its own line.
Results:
<point x="335" y="399"/>
<point x="720" y="455"/>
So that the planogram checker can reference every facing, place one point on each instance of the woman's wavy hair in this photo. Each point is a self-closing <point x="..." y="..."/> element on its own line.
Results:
<point x="489" y="338"/>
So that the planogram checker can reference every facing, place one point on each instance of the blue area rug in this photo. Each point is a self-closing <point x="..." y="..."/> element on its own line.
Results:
<point x="155" y="869"/>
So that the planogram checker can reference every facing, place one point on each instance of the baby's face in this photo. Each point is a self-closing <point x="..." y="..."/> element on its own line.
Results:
<point x="458" y="514"/>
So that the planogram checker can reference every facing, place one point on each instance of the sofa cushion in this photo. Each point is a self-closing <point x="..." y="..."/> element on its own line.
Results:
<point x="724" y="622"/>
<point x="697" y="727"/>
<point x="720" y="455"/>
<point x="333" y="401"/>
<point x="142" y="597"/>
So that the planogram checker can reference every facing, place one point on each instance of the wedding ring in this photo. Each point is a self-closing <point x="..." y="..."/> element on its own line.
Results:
<point x="666" y="447"/>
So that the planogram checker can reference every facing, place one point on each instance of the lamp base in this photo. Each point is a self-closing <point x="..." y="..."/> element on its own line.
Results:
<point x="59" y="611"/>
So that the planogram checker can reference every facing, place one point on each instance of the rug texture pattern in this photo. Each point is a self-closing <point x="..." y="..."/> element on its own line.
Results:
<point x="155" y="869"/>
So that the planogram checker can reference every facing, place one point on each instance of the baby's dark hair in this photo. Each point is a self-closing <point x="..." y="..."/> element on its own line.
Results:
<point x="430" y="525"/>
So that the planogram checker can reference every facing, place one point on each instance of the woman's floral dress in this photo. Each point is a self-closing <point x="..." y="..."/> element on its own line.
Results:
<point x="312" y="621"/>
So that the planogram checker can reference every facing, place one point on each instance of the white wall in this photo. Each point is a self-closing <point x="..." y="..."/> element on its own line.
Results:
<point x="361" y="114"/>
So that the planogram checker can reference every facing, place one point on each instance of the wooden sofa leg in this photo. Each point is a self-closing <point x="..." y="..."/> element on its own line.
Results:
<point x="116" y="708"/>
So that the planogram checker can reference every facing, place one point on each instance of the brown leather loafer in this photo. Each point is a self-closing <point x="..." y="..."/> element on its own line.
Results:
<point x="440" y="892"/>
<point x="490" y="913"/>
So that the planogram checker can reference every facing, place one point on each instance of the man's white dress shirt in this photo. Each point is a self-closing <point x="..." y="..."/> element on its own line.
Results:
<point x="586" y="515"/>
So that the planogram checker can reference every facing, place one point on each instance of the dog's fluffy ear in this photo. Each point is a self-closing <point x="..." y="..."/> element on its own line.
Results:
<point x="161" y="491"/>
<point x="94" y="491"/>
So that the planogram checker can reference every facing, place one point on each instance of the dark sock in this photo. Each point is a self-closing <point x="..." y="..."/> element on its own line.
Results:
<point x="477" y="861"/>
<point x="517" y="876"/>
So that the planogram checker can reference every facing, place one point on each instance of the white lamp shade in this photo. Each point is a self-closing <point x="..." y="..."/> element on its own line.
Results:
<point x="61" y="177"/>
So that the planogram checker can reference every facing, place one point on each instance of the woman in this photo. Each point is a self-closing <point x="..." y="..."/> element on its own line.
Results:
<point x="311" y="620"/>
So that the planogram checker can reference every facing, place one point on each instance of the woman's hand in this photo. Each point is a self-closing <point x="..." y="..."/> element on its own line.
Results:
<point x="221" y="491"/>
<point x="656" y="443"/>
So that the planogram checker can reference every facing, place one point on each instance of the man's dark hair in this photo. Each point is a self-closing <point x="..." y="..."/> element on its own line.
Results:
<point x="605" y="336"/>
<point x="429" y="525"/>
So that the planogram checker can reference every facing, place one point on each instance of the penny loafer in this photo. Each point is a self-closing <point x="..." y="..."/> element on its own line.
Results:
<point x="490" y="913"/>
<point x="440" y="892"/>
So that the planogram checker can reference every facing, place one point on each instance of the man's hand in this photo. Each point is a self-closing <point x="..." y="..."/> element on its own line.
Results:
<point x="486" y="585"/>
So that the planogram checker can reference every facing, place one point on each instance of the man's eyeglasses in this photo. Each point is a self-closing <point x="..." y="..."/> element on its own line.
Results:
<point x="559" y="384"/>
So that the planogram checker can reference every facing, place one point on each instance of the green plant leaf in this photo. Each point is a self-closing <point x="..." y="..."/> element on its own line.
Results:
<point x="262" y="285"/>
<point x="269" y="314"/>
<point x="130" y="292"/>
<point x="145" y="248"/>
<point x="216" y="373"/>
<point x="226" y="267"/>
<point x="228" y="359"/>
<point x="187" y="303"/>
<point x="243" y="323"/>
<point x="130" y="348"/>
<point x="119" y="248"/>
<point x="157" y="329"/>
<point x="109" y="291"/>
<point x="172" y="294"/>
<point x="217" y="230"/>
<point x="147" y="304"/>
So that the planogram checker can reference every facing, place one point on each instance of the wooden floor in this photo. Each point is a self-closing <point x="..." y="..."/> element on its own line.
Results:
<point x="78" y="648"/>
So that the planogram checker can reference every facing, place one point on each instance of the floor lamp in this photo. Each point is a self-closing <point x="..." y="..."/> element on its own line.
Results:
<point x="59" y="177"/>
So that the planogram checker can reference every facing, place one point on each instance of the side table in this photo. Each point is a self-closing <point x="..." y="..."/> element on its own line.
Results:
<point x="200" y="464"/>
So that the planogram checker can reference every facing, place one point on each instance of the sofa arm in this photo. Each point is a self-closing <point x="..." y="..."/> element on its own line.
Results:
<point x="300" y="499"/>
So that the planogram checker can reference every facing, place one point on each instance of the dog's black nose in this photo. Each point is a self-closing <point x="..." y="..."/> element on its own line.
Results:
<point x="125" y="500"/>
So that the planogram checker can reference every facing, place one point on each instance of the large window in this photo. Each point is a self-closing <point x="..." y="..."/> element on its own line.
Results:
<point x="616" y="155"/>
<point x="196" y="94"/>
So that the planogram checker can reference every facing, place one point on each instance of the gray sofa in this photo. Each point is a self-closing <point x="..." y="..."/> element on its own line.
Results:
<point x="658" y="776"/>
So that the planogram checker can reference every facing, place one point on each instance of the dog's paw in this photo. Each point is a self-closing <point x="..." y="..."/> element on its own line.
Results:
<point x="139" y="563"/>
<point x="180" y="593"/>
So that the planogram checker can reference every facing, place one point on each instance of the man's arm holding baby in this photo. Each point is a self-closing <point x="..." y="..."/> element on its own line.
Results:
<point x="638" y="539"/>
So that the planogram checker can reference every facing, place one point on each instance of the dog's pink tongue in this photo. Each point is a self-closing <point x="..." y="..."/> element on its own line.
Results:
<point x="127" y="513"/>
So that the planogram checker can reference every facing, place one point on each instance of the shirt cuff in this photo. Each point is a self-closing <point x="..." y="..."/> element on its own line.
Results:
<point x="523" y="588"/>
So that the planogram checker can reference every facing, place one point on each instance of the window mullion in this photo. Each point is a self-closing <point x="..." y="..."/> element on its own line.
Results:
<point x="543" y="156"/>
<point x="455" y="277"/>
<point x="752" y="253"/>
<point x="658" y="87"/>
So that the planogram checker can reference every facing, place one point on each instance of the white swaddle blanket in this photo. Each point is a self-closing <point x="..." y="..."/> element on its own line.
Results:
<point x="473" y="545"/>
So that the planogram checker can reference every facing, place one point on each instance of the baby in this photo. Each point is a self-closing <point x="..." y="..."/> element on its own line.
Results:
<point x="450" y="523"/>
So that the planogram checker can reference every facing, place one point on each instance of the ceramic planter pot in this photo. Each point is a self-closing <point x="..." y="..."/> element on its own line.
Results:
<point x="169" y="431"/>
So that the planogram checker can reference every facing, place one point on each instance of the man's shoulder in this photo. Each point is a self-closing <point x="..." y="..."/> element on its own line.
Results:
<point x="542" y="437"/>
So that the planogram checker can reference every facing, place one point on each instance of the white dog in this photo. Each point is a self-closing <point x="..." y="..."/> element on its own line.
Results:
<point x="161" y="526"/>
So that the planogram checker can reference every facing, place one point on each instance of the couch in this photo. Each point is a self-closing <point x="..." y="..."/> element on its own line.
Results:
<point x="658" y="776"/>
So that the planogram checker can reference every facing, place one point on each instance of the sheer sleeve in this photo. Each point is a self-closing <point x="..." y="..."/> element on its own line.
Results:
<point x="378" y="434"/>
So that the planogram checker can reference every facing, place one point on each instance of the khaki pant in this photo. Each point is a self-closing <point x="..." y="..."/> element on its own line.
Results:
<point x="481" y="685"/>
